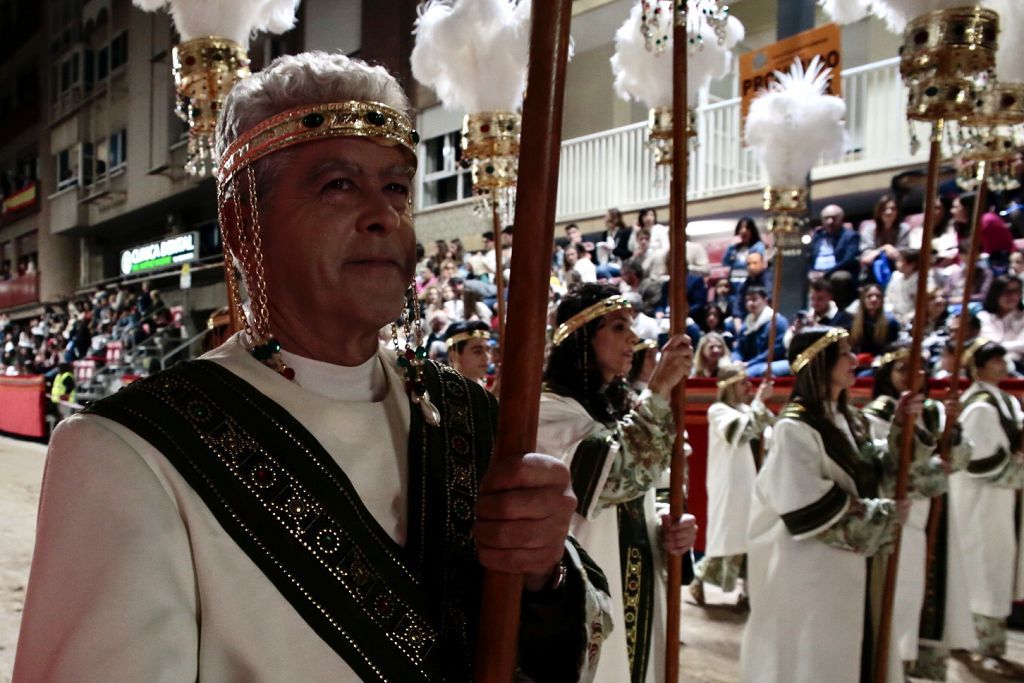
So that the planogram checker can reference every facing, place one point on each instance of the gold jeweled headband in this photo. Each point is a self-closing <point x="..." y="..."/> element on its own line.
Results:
<point x="466" y="336"/>
<point x="645" y="344"/>
<point x="972" y="349"/>
<point x="735" y="379"/>
<point x="329" y="120"/>
<point x="893" y="356"/>
<point x="808" y="354"/>
<point x="612" y="303"/>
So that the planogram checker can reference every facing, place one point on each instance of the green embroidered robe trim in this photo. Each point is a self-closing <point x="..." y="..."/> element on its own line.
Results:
<point x="637" y="564"/>
<point x="392" y="613"/>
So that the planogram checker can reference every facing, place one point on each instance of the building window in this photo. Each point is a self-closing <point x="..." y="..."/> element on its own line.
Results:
<point x="444" y="179"/>
<point x="102" y="63"/>
<point x="119" y="51"/>
<point x="108" y="154"/>
<point x="68" y="164"/>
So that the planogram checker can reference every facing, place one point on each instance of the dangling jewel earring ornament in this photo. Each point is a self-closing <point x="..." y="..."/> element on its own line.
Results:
<point x="411" y="360"/>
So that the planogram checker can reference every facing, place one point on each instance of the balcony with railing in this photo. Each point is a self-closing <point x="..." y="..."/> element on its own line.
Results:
<point x="616" y="168"/>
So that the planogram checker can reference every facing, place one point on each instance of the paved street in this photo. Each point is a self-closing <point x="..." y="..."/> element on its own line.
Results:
<point x="711" y="635"/>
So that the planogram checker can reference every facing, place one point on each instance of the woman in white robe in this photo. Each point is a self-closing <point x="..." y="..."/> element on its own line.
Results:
<point x="617" y="447"/>
<point x="735" y="421"/>
<point x="984" y="499"/>
<point x="820" y="521"/>
<point x="926" y="631"/>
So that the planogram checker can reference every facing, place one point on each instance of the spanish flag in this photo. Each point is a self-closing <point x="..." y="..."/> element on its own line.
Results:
<point x="24" y="198"/>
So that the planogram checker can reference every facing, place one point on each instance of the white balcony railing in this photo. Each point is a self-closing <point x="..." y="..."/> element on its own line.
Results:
<point x="615" y="168"/>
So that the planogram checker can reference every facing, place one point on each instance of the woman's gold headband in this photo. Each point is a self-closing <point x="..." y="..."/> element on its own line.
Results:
<point x="808" y="354"/>
<point x="893" y="356"/>
<point x="735" y="379"/>
<point x="972" y="349"/>
<point x="612" y="303"/>
<point x="645" y="344"/>
<point x="466" y="336"/>
<point x="329" y="120"/>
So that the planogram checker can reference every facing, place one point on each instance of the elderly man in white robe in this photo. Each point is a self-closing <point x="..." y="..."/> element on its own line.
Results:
<point x="301" y="504"/>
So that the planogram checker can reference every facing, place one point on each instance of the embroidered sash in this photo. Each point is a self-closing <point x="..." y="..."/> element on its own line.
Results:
<point x="637" y="564"/>
<point x="994" y="462"/>
<point x="392" y="613"/>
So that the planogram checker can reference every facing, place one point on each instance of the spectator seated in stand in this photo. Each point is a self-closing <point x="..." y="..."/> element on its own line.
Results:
<point x="1002" y="320"/>
<point x="996" y="236"/>
<point x="873" y="329"/>
<point x="835" y="248"/>
<point x="881" y="237"/>
<point x="901" y="292"/>
<point x="613" y="248"/>
<point x="747" y="240"/>
<point x="709" y="354"/>
<point x="714" y="320"/>
<point x="644" y="326"/>
<point x="758" y="275"/>
<point x="751" y="347"/>
<point x="822" y="312"/>
<point x="634" y="280"/>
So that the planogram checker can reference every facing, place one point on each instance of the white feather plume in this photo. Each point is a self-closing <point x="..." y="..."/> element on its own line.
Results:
<point x="846" y="11"/>
<point x="233" y="19"/>
<point x="646" y="76"/>
<point x="473" y="53"/>
<point x="794" y="123"/>
<point x="1010" y="57"/>
<point x="897" y="13"/>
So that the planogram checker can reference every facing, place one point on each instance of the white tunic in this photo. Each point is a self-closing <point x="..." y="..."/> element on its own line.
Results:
<point x="807" y="598"/>
<point x="730" y="478"/>
<point x="985" y="512"/>
<point x="958" y="628"/>
<point x="172" y="597"/>
<point x="564" y="424"/>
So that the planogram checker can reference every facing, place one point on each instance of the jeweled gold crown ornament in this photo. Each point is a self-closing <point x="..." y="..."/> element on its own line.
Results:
<point x="205" y="70"/>
<point x="490" y="147"/>
<point x="211" y="58"/>
<point x="483" y="74"/>
<point x="642" y="63"/>
<point x="946" y="61"/>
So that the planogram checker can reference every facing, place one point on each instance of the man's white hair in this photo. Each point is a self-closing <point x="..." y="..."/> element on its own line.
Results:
<point x="300" y="80"/>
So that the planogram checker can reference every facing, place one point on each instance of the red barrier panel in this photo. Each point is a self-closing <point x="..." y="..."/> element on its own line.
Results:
<point x="22" y="407"/>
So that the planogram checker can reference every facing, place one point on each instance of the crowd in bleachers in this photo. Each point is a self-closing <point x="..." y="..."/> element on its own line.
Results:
<point x="80" y="329"/>
<point x="860" y="277"/>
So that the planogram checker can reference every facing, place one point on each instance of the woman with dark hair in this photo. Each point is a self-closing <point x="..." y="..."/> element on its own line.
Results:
<point x="1002" y="319"/>
<point x="984" y="502"/>
<point x="925" y="638"/>
<point x="873" y="329"/>
<point x="614" y="245"/>
<point x="735" y="422"/>
<point x="881" y="236"/>
<point x="714" y="320"/>
<point x="618" y="448"/>
<point x="821" y="518"/>
<point x="747" y="240"/>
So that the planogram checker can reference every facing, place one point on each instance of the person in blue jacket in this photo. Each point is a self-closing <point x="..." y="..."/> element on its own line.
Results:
<point x="752" y="344"/>
<point x="835" y="255"/>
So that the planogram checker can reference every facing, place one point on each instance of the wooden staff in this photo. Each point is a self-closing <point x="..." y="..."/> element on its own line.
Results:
<point x="772" y="332"/>
<point x="499" y="283"/>
<point x="935" y="512"/>
<point x="914" y="367"/>
<point x="679" y="310"/>
<point x="499" y="270"/>
<point x="528" y="305"/>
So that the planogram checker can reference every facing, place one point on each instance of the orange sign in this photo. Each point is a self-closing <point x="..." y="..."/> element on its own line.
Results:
<point x="757" y="67"/>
